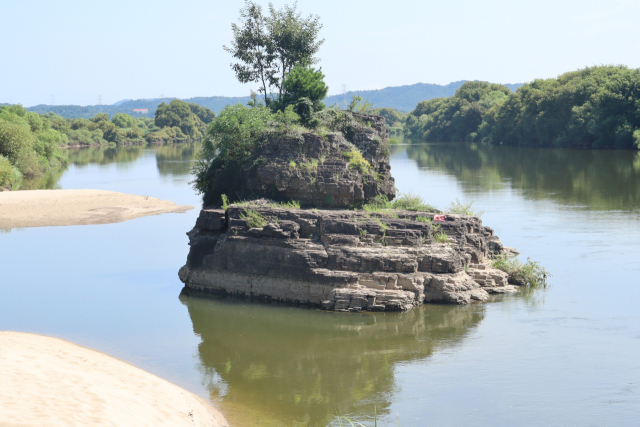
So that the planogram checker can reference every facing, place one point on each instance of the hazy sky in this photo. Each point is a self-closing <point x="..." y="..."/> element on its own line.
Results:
<point x="75" y="51"/>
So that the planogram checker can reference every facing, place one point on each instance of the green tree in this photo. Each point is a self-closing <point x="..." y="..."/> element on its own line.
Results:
<point x="123" y="121"/>
<point x="458" y="117"/>
<point x="293" y="39"/>
<point x="59" y="123"/>
<point x="268" y="47"/>
<point x="179" y="114"/>
<point x="110" y="132"/>
<point x="16" y="109"/>
<point x="13" y="139"/>
<point x="100" y="117"/>
<point x="80" y="124"/>
<point x="36" y="122"/>
<point x="303" y="82"/>
<point x="9" y="174"/>
<point x="203" y="113"/>
<point x="28" y="143"/>
<point x="251" y="46"/>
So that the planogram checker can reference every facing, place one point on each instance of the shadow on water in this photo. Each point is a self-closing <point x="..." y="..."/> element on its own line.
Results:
<point x="275" y="365"/>
<point x="599" y="180"/>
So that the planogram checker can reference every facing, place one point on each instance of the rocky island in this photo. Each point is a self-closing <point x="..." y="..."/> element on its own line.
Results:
<point x="330" y="253"/>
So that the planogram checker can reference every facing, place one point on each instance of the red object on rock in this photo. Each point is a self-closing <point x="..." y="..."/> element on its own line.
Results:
<point x="439" y="217"/>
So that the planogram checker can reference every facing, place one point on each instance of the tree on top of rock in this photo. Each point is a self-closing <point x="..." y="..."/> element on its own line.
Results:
<point x="269" y="47"/>
<point x="303" y="88"/>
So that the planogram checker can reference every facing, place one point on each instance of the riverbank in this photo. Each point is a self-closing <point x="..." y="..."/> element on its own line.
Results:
<point x="41" y="208"/>
<point x="53" y="382"/>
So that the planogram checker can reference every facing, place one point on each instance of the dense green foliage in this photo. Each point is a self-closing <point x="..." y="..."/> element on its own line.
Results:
<point x="28" y="145"/>
<point x="9" y="174"/>
<point x="233" y="137"/>
<point x="190" y="119"/>
<point x="596" y="107"/>
<point x="456" y="118"/>
<point x="268" y="47"/>
<point x="236" y="137"/>
<point x="304" y="89"/>
<point x="405" y="202"/>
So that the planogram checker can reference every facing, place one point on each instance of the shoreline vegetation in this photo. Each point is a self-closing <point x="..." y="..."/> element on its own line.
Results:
<point x="30" y="143"/>
<point x="53" y="382"/>
<point x="592" y="108"/>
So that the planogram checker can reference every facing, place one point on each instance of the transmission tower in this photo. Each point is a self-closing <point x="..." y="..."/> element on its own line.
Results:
<point x="99" y="99"/>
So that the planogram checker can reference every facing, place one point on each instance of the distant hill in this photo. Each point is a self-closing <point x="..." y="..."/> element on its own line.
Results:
<point x="215" y="103"/>
<point x="403" y="98"/>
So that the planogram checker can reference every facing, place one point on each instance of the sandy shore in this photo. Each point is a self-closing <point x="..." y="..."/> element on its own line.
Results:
<point x="40" y="208"/>
<point x="47" y="381"/>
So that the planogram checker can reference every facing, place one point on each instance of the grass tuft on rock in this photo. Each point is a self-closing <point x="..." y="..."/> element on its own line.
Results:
<point x="406" y="202"/>
<point x="460" y="208"/>
<point x="530" y="274"/>
<point x="253" y="219"/>
<point x="292" y="204"/>
<point x="357" y="161"/>
<point x="440" y="237"/>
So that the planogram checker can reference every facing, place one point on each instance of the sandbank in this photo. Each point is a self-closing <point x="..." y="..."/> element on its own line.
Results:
<point x="46" y="381"/>
<point x="41" y="208"/>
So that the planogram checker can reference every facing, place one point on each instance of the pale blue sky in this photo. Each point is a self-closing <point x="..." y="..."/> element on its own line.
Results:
<point x="76" y="50"/>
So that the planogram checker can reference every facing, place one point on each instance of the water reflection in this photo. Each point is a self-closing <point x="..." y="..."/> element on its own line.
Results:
<point x="603" y="180"/>
<point x="172" y="160"/>
<point x="104" y="155"/>
<point x="176" y="159"/>
<point x="272" y="365"/>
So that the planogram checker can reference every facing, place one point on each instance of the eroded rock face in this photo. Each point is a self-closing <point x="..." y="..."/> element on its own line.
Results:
<point x="343" y="260"/>
<point x="316" y="170"/>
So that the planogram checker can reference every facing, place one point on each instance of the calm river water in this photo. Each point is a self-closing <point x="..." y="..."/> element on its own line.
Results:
<point x="565" y="356"/>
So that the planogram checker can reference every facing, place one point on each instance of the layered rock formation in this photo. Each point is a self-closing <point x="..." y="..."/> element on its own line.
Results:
<point x="320" y="170"/>
<point x="342" y="260"/>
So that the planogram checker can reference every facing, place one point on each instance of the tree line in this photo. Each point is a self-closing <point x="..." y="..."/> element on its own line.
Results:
<point x="592" y="108"/>
<point x="30" y="143"/>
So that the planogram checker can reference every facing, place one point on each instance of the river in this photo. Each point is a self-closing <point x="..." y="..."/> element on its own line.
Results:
<point x="567" y="355"/>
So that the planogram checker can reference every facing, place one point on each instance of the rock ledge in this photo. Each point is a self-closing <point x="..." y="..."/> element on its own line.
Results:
<point x="343" y="260"/>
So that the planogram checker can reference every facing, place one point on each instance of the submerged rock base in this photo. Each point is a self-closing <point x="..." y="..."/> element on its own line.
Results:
<point x="343" y="260"/>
